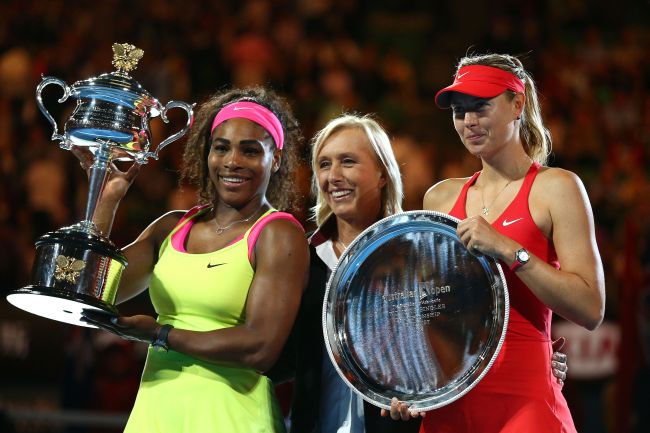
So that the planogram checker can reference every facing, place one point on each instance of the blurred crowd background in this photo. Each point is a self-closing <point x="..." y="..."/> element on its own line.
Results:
<point x="591" y="63"/>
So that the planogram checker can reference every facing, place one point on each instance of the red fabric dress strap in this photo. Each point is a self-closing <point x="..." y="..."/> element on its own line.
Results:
<point x="519" y="205"/>
<point x="262" y="222"/>
<point x="528" y="181"/>
<point x="458" y="210"/>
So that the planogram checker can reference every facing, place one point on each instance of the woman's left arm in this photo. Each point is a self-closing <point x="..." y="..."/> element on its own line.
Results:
<point x="281" y="270"/>
<point x="576" y="291"/>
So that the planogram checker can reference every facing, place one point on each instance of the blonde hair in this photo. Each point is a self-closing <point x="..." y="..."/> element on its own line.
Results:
<point x="392" y="193"/>
<point x="535" y="136"/>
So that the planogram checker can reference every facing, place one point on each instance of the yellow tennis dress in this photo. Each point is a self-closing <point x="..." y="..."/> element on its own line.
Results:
<point x="182" y="394"/>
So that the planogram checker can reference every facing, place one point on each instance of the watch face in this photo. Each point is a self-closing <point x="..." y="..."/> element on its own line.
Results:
<point x="523" y="256"/>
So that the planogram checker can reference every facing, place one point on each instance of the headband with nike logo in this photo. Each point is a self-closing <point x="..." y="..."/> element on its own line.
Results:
<point x="255" y="113"/>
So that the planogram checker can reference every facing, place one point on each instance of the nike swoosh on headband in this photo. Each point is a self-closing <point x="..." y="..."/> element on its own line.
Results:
<point x="506" y="223"/>
<point x="255" y="113"/>
<point x="210" y="265"/>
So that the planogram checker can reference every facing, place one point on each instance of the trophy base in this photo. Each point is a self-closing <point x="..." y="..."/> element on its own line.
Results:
<point x="62" y="306"/>
<point x="75" y="269"/>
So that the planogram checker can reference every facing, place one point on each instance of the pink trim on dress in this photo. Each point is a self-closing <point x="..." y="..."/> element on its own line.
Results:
<point x="259" y="225"/>
<point x="183" y="227"/>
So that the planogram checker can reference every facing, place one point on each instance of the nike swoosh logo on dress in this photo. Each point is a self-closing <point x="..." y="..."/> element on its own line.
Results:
<point x="506" y="223"/>
<point x="210" y="265"/>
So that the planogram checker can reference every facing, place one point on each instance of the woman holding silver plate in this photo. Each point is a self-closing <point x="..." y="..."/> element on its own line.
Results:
<point x="538" y="222"/>
<point x="225" y="278"/>
<point x="357" y="182"/>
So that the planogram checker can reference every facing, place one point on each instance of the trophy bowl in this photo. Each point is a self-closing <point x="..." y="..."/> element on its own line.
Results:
<point x="410" y="313"/>
<point x="77" y="268"/>
<point x="112" y="108"/>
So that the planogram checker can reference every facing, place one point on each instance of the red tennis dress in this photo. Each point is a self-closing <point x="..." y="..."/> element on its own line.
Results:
<point x="519" y="393"/>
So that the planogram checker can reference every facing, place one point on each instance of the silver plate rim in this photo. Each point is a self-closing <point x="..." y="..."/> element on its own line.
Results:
<point x="416" y="406"/>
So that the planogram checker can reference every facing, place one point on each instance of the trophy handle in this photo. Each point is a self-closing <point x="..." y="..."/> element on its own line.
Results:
<point x="39" y="101"/>
<point x="141" y="158"/>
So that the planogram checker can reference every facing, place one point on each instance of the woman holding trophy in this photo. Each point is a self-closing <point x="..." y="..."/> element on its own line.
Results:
<point x="538" y="222"/>
<point x="225" y="278"/>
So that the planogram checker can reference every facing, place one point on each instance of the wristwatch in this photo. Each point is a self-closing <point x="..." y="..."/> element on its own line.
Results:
<point x="161" y="343"/>
<point x="521" y="258"/>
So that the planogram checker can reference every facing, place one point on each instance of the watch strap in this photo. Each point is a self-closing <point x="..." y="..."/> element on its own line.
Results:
<point x="161" y="342"/>
<point x="516" y="265"/>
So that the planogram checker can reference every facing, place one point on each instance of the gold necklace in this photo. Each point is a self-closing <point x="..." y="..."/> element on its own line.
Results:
<point x="341" y="246"/>
<point x="486" y="209"/>
<point x="221" y="229"/>
<point x="338" y="241"/>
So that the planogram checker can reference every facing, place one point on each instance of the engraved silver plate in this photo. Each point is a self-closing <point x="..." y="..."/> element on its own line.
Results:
<point x="410" y="313"/>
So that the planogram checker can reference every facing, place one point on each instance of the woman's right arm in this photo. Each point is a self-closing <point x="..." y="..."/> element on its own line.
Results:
<point x="141" y="254"/>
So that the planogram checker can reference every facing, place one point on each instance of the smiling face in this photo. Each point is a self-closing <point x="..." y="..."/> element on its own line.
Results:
<point x="486" y="125"/>
<point x="241" y="161"/>
<point x="350" y="177"/>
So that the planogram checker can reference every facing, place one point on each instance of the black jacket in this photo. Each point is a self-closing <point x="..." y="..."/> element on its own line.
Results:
<point x="302" y="360"/>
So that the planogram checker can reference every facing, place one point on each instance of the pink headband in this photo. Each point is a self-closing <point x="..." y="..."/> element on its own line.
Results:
<point x="480" y="81"/>
<point x="255" y="113"/>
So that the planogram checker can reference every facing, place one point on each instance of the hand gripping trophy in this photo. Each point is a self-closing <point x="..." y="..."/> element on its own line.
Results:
<point x="77" y="268"/>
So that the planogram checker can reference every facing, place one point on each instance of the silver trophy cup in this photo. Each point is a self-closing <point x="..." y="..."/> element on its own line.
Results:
<point x="77" y="268"/>
<point x="410" y="313"/>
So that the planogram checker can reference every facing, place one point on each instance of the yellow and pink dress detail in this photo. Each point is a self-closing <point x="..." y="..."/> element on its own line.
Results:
<point x="203" y="292"/>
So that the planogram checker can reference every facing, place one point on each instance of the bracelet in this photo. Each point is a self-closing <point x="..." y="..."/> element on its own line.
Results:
<point x="161" y="342"/>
